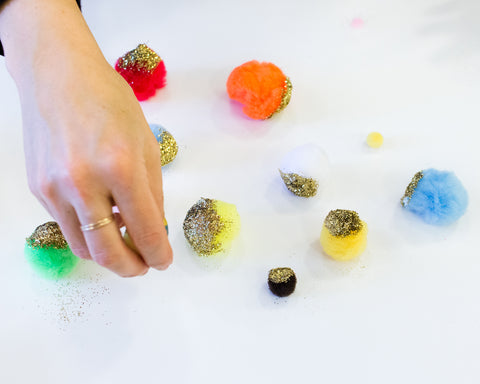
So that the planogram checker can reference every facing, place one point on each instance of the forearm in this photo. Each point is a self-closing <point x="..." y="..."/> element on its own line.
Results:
<point x="2" y="4"/>
<point x="32" y="31"/>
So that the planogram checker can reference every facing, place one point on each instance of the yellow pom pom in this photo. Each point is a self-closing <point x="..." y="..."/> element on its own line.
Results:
<point x="229" y="215"/>
<point x="374" y="140"/>
<point x="211" y="225"/>
<point x="344" y="235"/>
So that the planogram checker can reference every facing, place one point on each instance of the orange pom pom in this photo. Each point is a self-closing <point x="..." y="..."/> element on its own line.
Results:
<point x="261" y="87"/>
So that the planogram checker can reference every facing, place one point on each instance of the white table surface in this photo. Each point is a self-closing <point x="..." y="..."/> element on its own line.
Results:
<point x="407" y="311"/>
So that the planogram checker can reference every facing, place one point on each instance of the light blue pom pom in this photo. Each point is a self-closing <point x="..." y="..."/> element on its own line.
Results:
<point x="438" y="197"/>
<point x="167" y="143"/>
<point x="158" y="131"/>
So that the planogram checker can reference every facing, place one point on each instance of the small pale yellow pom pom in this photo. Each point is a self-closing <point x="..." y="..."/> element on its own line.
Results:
<point x="374" y="140"/>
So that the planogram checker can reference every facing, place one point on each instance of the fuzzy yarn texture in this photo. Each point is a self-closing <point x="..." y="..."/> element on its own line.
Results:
<point x="375" y="140"/>
<point x="344" y="248"/>
<point x="211" y="226"/>
<point x="144" y="84"/>
<point x="144" y="81"/>
<point x="439" y="198"/>
<point x="51" y="263"/>
<point x="260" y="87"/>
<point x="282" y="281"/>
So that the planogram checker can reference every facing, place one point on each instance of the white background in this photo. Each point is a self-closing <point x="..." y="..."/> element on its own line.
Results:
<point x="406" y="311"/>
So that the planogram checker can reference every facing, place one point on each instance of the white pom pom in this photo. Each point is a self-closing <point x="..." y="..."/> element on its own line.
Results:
<point x="305" y="170"/>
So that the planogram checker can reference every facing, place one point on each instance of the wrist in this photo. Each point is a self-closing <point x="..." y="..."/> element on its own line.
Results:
<point x="46" y="37"/>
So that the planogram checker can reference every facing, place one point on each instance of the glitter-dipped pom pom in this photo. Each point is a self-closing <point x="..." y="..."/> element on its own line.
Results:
<point x="282" y="281"/>
<point x="144" y="70"/>
<point x="262" y="88"/>
<point x="438" y="197"/>
<point x="344" y="235"/>
<point x="305" y="170"/>
<point x="167" y="143"/>
<point x="210" y="226"/>
<point x="48" y="253"/>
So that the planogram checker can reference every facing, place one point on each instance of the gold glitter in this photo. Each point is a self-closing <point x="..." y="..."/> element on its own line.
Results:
<point x="168" y="147"/>
<point x="287" y="95"/>
<point x="280" y="275"/>
<point x="299" y="185"/>
<point x="201" y="227"/>
<point x="47" y="235"/>
<point x="342" y="222"/>
<point x="141" y="58"/>
<point x="78" y="300"/>
<point x="411" y="188"/>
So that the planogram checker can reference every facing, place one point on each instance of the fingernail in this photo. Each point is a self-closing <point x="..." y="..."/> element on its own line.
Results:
<point x="162" y="267"/>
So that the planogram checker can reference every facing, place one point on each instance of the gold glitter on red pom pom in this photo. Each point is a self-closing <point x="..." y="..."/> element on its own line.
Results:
<point x="141" y="58"/>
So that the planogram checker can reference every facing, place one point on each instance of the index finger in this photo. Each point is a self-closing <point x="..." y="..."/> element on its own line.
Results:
<point x="145" y="223"/>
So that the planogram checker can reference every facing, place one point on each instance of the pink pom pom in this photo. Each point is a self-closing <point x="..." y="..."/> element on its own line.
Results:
<point x="144" y="70"/>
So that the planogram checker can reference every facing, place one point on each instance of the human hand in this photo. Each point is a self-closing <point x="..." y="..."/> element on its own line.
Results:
<point x="87" y="144"/>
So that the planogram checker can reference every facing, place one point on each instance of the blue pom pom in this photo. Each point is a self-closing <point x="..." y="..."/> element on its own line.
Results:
<point x="167" y="143"/>
<point x="438" y="197"/>
<point x="158" y="131"/>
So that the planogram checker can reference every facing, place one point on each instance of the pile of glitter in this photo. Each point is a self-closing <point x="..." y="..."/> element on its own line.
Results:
<point x="144" y="70"/>
<point x="48" y="253"/>
<point x="344" y="235"/>
<point x="210" y="226"/>
<point x="74" y="300"/>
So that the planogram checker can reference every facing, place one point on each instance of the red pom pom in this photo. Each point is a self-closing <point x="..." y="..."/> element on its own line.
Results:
<point x="144" y="70"/>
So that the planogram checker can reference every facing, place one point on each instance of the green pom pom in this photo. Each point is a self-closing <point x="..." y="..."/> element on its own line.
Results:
<point x="51" y="263"/>
<point x="48" y="253"/>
